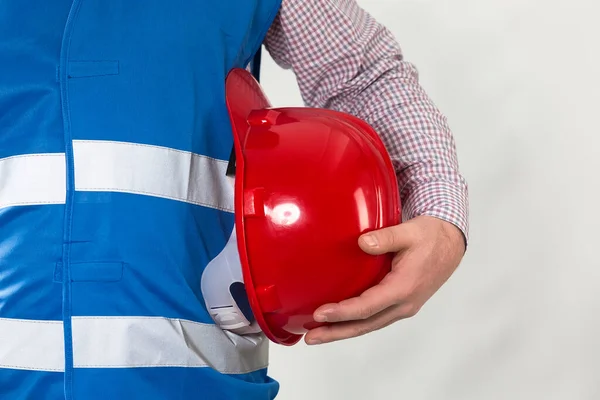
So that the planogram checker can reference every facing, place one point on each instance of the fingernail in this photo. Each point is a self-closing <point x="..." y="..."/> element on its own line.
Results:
<point x="370" y="240"/>
<point x="321" y="318"/>
<point x="313" y="342"/>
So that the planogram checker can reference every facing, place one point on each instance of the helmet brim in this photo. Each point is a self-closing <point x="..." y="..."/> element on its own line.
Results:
<point x="243" y="95"/>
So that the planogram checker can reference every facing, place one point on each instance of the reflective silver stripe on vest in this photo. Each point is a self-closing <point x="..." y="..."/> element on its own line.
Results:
<point x="32" y="345"/>
<point x="128" y="342"/>
<point x="37" y="179"/>
<point x="152" y="171"/>
<point x="32" y="179"/>
<point x="154" y="342"/>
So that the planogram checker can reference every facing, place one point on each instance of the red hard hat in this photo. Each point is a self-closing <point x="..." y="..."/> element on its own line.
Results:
<point x="308" y="183"/>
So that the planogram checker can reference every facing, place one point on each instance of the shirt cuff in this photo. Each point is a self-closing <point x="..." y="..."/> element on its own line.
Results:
<point x="440" y="199"/>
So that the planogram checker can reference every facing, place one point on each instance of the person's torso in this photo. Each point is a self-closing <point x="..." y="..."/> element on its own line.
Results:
<point x="114" y="141"/>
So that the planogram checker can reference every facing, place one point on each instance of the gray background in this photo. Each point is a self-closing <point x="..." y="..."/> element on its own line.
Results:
<point x="520" y="319"/>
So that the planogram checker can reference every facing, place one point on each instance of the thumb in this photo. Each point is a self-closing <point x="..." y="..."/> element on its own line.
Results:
<point x="386" y="240"/>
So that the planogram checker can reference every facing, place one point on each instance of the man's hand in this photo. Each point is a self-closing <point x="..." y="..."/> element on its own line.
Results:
<point x="428" y="251"/>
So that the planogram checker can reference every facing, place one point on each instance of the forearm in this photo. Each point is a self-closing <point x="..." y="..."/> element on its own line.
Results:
<point x="419" y="141"/>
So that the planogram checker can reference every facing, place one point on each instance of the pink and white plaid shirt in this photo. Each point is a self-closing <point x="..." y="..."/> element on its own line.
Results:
<point x="345" y="60"/>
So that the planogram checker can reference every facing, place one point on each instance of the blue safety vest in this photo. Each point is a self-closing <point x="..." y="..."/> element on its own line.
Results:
<point x="114" y="141"/>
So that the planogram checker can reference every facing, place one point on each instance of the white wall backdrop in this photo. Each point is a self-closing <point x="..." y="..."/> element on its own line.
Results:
<point x="520" y="320"/>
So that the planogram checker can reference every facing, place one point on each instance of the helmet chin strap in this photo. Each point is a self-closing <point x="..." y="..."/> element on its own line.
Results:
<point x="224" y="292"/>
<point x="223" y="289"/>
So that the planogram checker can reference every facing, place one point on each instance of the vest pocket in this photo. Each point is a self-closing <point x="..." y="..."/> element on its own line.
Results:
<point x="87" y="69"/>
<point x="92" y="272"/>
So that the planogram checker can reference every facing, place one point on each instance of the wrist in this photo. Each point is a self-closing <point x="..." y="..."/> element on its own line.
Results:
<point x="455" y="236"/>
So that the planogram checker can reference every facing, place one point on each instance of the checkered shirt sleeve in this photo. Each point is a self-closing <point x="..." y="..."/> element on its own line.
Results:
<point x="345" y="60"/>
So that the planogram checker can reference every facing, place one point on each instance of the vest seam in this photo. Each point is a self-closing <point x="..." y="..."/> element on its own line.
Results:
<point x="166" y="148"/>
<point x="263" y="32"/>
<point x="27" y="155"/>
<point x="17" y="367"/>
<point x="142" y="192"/>
<point x="69" y="200"/>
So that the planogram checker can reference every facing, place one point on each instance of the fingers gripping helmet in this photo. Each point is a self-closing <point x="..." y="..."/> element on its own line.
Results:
<point x="308" y="183"/>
